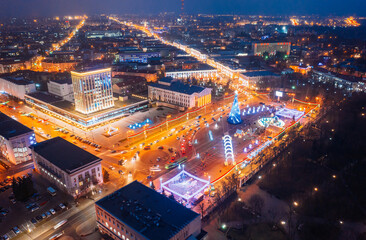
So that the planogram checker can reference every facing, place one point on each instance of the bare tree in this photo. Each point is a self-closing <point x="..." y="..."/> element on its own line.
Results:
<point x="256" y="202"/>
<point x="202" y="208"/>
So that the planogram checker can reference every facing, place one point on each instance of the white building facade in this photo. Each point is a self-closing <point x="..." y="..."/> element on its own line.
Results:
<point x="180" y="94"/>
<point x="15" y="139"/>
<point x="62" y="89"/>
<point x="75" y="178"/>
<point x="16" y="87"/>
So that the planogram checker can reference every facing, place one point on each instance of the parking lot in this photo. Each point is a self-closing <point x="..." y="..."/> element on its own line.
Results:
<point x="40" y="208"/>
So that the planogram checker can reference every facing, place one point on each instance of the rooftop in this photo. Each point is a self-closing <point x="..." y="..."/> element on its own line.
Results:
<point x="259" y="73"/>
<point x="62" y="81"/>
<point x="146" y="211"/>
<point x="11" y="128"/>
<point x="18" y="80"/>
<point x="64" y="154"/>
<point x="179" y="87"/>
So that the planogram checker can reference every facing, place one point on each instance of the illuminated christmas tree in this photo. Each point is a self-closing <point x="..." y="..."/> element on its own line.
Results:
<point x="234" y="115"/>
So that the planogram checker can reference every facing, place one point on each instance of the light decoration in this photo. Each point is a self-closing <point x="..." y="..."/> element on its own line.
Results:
<point x="185" y="185"/>
<point x="274" y="138"/>
<point x="140" y="125"/>
<point x="275" y="121"/>
<point x="289" y="113"/>
<point x="234" y="115"/>
<point x="228" y="146"/>
<point x="210" y="134"/>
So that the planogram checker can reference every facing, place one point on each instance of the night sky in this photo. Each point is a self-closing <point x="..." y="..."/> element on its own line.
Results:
<point x="10" y="8"/>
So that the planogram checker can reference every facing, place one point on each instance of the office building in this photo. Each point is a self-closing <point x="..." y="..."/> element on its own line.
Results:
<point x="271" y="48"/>
<point x="15" y="139"/>
<point x="137" y="212"/>
<point x="17" y="86"/>
<point x="70" y="168"/>
<point x="139" y="57"/>
<point x="62" y="88"/>
<point x="172" y="91"/>
<point x="92" y="90"/>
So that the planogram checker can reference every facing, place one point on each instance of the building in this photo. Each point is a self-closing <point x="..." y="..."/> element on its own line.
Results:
<point x="174" y="92"/>
<point x="92" y="90"/>
<point x="140" y="57"/>
<point x="50" y="65"/>
<point x="62" y="88"/>
<point x="9" y="66"/>
<point x="271" y="48"/>
<point x="15" y="139"/>
<point x="301" y="69"/>
<point x="203" y="74"/>
<point x="17" y="86"/>
<point x="67" y="166"/>
<point x="255" y="77"/>
<point x="349" y="83"/>
<point x="62" y="111"/>
<point x="127" y="85"/>
<point x="137" y="212"/>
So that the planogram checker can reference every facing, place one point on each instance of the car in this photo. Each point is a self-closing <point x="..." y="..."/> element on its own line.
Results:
<point x="121" y="172"/>
<point x="113" y="151"/>
<point x="123" y="152"/>
<point x="111" y="167"/>
<point x="134" y="147"/>
<point x="35" y="208"/>
<point x="161" y="147"/>
<point x="43" y="216"/>
<point x="3" y="213"/>
<point x="48" y="214"/>
<point x="16" y="230"/>
<point x="5" y="237"/>
<point x="33" y="220"/>
<point x="53" y="211"/>
<point x="147" y="147"/>
<point x="39" y="218"/>
<point x="97" y="150"/>
<point x="13" y="201"/>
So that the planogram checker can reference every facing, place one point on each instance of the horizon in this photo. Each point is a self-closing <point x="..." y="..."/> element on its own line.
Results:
<point x="45" y="8"/>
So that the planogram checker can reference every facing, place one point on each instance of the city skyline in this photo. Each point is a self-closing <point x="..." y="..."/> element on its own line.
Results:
<point x="37" y="8"/>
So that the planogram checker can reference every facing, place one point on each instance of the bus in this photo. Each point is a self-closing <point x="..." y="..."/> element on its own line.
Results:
<point x="51" y="191"/>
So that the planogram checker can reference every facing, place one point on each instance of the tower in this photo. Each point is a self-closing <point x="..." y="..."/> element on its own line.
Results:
<point x="182" y="9"/>
<point x="92" y="90"/>
<point x="234" y="115"/>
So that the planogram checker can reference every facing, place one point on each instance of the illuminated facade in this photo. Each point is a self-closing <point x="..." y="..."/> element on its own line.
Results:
<point x="15" y="139"/>
<point x="171" y="91"/>
<point x="271" y="48"/>
<point x="92" y="90"/>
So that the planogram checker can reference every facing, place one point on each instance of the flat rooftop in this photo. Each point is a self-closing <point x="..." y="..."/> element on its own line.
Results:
<point x="179" y="87"/>
<point x="64" y="154"/>
<point x="10" y="128"/>
<point x="68" y="106"/>
<point x="146" y="211"/>
<point x="18" y="80"/>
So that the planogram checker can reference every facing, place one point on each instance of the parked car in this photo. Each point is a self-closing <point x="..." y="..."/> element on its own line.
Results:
<point x="62" y="206"/>
<point x="16" y="230"/>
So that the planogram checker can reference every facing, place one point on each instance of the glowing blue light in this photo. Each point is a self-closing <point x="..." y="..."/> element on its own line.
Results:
<point x="210" y="134"/>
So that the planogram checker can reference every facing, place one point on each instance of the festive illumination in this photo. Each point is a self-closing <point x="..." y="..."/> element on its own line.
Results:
<point x="185" y="185"/>
<point x="234" y="115"/>
<point x="228" y="146"/>
<point x="140" y="125"/>
<point x="289" y="113"/>
<point x="275" y="121"/>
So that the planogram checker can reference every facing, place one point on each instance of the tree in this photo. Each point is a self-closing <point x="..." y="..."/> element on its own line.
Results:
<point x="172" y="197"/>
<point x="152" y="185"/>
<point x="256" y="202"/>
<point x="105" y="175"/>
<point x="202" y="208"/>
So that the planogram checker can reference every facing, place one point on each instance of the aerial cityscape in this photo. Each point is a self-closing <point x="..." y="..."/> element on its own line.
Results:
<point x="183" y="120"/>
